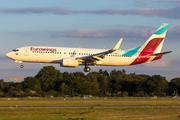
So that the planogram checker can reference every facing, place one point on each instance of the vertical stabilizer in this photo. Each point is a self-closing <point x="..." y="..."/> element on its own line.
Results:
<point x="152" y="46"/>
<point x="155" y="42"/>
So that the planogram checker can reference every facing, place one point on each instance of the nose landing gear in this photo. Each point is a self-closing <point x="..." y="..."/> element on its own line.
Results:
<point x="21" y="66"/>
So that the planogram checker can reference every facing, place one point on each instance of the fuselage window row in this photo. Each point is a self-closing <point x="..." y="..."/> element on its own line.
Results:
<point x="80" y="54"/>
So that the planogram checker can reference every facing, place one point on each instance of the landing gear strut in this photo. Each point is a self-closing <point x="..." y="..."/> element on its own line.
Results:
<point x="87" y="69"/>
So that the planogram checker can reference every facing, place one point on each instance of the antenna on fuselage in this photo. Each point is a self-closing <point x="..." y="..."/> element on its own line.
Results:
<point x="104" y="47"/>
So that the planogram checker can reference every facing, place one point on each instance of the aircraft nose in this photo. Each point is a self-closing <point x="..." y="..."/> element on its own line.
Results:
<point x="8" y="55"/>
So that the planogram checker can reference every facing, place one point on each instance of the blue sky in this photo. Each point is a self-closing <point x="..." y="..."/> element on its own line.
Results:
<point x="89" y="24"/>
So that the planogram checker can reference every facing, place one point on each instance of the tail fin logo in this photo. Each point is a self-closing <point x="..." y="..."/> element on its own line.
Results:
<point x="152" y="45"/>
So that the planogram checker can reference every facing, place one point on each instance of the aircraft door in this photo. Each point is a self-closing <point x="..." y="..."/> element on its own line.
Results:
<point x="26" y="51"/>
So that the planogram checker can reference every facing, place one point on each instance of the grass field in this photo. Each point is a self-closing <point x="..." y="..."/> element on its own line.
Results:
<point x="171" y="113"/>
<point x="90" y="114"/>
<point x="90" y="102"/>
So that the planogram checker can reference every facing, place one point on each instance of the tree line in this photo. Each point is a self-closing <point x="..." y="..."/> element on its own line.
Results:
<point x="50" y="81"/>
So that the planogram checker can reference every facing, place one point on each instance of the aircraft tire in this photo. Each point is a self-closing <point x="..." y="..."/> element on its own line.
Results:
<point x="21" y="66"/>
<point x="87" y="69"/>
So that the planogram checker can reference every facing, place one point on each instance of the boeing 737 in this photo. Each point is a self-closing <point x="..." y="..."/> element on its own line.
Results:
<point x="73" y="57"/>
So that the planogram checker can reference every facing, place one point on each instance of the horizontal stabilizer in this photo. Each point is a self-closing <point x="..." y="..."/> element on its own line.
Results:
<point x="161" y="53"/>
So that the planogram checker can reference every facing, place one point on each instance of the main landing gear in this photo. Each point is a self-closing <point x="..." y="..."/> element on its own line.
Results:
<point x="87" y="69"/>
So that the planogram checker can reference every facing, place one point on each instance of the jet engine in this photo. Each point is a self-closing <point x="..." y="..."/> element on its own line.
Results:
<point x="69" y="62"/>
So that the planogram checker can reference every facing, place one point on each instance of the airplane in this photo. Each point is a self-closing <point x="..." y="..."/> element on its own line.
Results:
<point x="73" y="57"/>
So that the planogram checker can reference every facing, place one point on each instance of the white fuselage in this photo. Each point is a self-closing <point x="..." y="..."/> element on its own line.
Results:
<point x="45" y="54"/>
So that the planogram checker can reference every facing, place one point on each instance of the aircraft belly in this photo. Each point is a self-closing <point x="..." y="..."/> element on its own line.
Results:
<point x="123" y="61"/>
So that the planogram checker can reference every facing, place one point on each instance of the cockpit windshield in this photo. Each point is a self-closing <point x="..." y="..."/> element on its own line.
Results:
<point x="15" y="50"/>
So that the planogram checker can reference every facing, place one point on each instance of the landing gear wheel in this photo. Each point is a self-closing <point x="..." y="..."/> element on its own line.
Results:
<point x="21" y="66"/>
<point x="87" y="69"/>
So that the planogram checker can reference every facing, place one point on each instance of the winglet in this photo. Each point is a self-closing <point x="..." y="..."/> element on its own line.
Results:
<point x="116" y="47"/>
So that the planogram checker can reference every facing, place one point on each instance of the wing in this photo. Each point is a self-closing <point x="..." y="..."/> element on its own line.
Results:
<point x="92" y="59"/>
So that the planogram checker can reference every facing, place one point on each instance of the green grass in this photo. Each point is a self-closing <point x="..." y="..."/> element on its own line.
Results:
<point x="90" y="114"/>
<point x="90" y="102"/>
<point x="171" y="113"/>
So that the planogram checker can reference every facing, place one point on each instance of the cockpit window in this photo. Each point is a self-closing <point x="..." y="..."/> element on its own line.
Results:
<point x="15" y="50"/>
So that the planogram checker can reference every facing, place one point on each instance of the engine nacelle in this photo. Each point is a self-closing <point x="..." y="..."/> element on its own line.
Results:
<point x="69" y="62"/>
